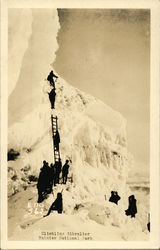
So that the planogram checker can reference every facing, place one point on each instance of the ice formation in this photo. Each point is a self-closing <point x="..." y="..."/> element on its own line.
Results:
<point x="93" y="137"/>
<point x="89" y="138"/>
<point x="96" y="145"/>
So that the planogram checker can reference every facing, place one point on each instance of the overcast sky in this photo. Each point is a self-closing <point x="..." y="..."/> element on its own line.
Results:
<point x="107" y="53"/>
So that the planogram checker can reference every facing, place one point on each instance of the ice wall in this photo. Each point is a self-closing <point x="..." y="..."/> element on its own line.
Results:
<point x="36" y="38"/>
<point x="19" y="32"/>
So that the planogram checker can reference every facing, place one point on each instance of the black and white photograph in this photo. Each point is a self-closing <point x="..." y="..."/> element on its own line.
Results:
<point x="79" y="122"/>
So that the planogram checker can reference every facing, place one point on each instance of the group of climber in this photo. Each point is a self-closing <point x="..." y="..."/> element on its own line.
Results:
<point x="57" y="205"/>
<point x="132" y="208"/>
<point x="52" y="93"/>
<point x="50" y="176"/>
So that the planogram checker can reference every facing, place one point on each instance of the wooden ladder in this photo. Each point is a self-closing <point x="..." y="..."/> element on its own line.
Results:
<point x="54" y="122"/>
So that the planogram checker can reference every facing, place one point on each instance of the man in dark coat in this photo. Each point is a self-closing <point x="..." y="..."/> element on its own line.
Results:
<point x="58" y="165"/>
<point x="52" y="96"/>
<point x="52" y="175"/>
<point x="65" y="172"/>
<point x="40" y="186"/>
<point x="114" y="197"/>
<point x="148" y="224"/>
<point x="42" y="181"/>
<point x="132" y="208"/>
<point x="57" y="205"/>
<point x="57" y="140"/>
<point x="50" y="78"/>
<point x="47" y="178"/>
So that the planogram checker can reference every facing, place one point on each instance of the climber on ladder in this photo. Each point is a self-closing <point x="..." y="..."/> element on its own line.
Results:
<point x="50" y="78"/>
<point x="57" y="140"/>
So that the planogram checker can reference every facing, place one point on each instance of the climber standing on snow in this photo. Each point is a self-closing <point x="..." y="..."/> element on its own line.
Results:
<point x="58" y="165"/>
<point x="132" y="208"/>
<point x="65" y="172"/>
<point x="42" y="183"/>
<point x="50" y="78"/>
<point x="40" y="186"/>
<point x="57" y="205"/>
<point x="114" y="197"/>
<point x="52" y="95"/>
<point x="52" y="175"/>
